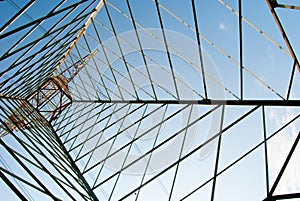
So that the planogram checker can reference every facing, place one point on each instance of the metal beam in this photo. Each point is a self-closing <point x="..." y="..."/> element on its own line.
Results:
<point x="283" y="197"/>
<point x="16" y="16"/>
<point x="286" y="162"/>
<point x="49" y="15"/>
<point x="288" y="6"/>
<point x="201" y="102"/>
<point x="272" y="5"/>
<point x="81" y="32"/>
<point x="12" y="186"/>
<point x="199" y="48"/>
<point x="75" y="168"/>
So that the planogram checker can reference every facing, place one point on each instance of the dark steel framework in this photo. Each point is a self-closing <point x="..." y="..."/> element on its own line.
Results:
<point x="60" y="107"/>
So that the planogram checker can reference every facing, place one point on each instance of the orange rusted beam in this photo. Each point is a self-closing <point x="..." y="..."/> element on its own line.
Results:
<point x="81" y="32"/>
<point x="272" y="5"/>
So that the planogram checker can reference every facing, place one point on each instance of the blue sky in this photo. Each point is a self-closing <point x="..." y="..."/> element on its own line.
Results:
<point x="218" y="25"/>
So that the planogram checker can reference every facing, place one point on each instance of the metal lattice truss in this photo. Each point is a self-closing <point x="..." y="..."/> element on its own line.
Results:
<point x="149" y="100"/>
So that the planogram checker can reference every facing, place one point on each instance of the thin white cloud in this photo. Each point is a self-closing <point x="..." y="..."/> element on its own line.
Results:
<point x="271" y="54"/>
<point x="222" y="26"/>
<point x="278" y="149"/>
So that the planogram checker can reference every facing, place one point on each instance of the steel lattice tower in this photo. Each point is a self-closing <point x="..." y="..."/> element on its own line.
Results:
<point x="149" y="100"/>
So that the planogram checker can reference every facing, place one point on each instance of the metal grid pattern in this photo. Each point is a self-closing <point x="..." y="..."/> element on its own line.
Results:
<point x="139" y="109"/>
<point x="36" y="46"/>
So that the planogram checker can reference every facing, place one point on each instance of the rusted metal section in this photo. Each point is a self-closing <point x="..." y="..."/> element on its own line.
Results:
<point x="22" y="118"/>
<point x="50" y="99"/>
<point x="53" y="98"/>
<point x="272" y="5"/>
<point x="71" y="71"/>
<point x="81" y="32"/>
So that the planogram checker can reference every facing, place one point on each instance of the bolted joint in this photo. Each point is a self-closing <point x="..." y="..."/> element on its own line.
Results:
<point x="274" y="3"/>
